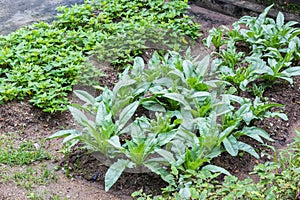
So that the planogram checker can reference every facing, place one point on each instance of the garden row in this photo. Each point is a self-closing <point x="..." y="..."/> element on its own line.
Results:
<point x="174" y="114"/>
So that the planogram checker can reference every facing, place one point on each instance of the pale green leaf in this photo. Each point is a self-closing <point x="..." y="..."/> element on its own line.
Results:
<point x="102" y="114"/>
<point x="115" y="171"/>
<point x="138" y="66"/>
<point x="231" y="145"/>
<point x="85" y="96"/>
<point x="77" y="115"/>
<point x="256" y="133"/>
<point x="179" y="98"/>
<point x="166" y="155"/>
<point x="127" y="113"/>
<point x="202" y="66"/>
<point x="123" y="83"/>
<point x="280" y="19"/>
<point x="216" y="169"/>
<point x="62" y="133"/>
<point x="247" y="148"/>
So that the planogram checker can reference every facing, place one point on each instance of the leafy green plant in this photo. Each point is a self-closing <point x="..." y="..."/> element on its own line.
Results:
<point x="186" y="121"/>
<point x="277" y="180"/>
<point x="258" y="51"/>
<point x="215" y="37"/>
<point x="44" y="61"/>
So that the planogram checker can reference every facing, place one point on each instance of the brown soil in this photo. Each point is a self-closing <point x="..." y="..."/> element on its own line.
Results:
<point x="81" y="176"/>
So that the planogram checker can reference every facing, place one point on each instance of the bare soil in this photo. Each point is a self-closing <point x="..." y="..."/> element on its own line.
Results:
<point x="81" y="176"/>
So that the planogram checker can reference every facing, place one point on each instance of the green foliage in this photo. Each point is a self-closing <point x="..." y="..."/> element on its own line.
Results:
<point x="43" y="61"/>
<point x="268" y="49"/>
<point x="29" y="177"/>
<point x="277" y="180"/>
<point x="187" y="120"/>
<point x="24" y="154"/>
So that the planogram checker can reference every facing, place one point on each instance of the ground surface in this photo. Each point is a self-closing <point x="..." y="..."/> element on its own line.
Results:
<point x="80" y="176"/>
<point x="17" y="13"/>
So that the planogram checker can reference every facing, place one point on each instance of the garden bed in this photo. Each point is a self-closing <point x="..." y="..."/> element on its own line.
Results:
<point x="79" y="175"/>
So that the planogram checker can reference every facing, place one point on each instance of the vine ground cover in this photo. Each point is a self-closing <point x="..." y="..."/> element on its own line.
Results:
<point x="77" y="158"/>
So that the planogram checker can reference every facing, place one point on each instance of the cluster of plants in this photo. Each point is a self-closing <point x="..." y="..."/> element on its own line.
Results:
<point x="44" y="61"/>
<point x="279" y="179"/>
<point x="173" y="115"/>
<point x="258" y="51"/>
<point x="167" y="117"/>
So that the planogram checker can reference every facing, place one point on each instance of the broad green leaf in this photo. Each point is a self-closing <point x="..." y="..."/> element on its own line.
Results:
<point x="179" y="98"/>
<point x="256" y="133"/>
<point x="102" y="115"/>
<point x="77" y="115"/>
<point x="231" y="145"/>
<point x="166" y="155"/>
<point x="277" y="114"/>
<point x="187" y="68"/>
<point x="227" y="132"/>
<point x="200" y="94"/>
<point x="280" y="20"/>
<point x="155" y="61"/>
<point x="167" y="82"/>
<point x="126" y="114"/>
<point x="138" y="66"/>
<point x="159" y="170"/>
<point x="247" y="148"/>
<point x="123" y="83"/>
<point x="62" y="133"/>
<point x="153" y="106"/>
<point x="115" y="171"/>
<point x="84" y="96"/>
<point x="185" y="193"/>
<point x="216" y="169"/>
<point x="202" y="66"/>
<point x="292" y="71"/>
<point x="71" y="137"/>
<point x="115" y="141"/>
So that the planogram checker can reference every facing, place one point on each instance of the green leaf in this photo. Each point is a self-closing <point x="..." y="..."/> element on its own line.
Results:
<point x="138" y="66"/>
<point x="292" y="71"/>
<point x="187" y="68"/>
<point x="71" y="137"/>
<point x="166" y="155"/>
<point x="62" y="133"/>
<point x="179" y="98"/>
<point x="84" y="96"/>
<point x="280" y="20"/>
<point x="102" y="116"/>
<point x="247" y="148"/>
<point x="256" y="133"/>
<point x="202" y="66"/>
<point x="115" y="171"/>
<point x="185" y="193"/>
<point x="78" y="115"/>
<point x="216" y="169"/>
<point x="200" y="94"/>
<point x="231" y="145"/>
<point x="126" y="114"/>
<point x="153" y="106"/>
<point x="122" y="83"/>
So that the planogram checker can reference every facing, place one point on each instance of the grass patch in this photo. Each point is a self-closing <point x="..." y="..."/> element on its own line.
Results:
<point x="23" y="154"/>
